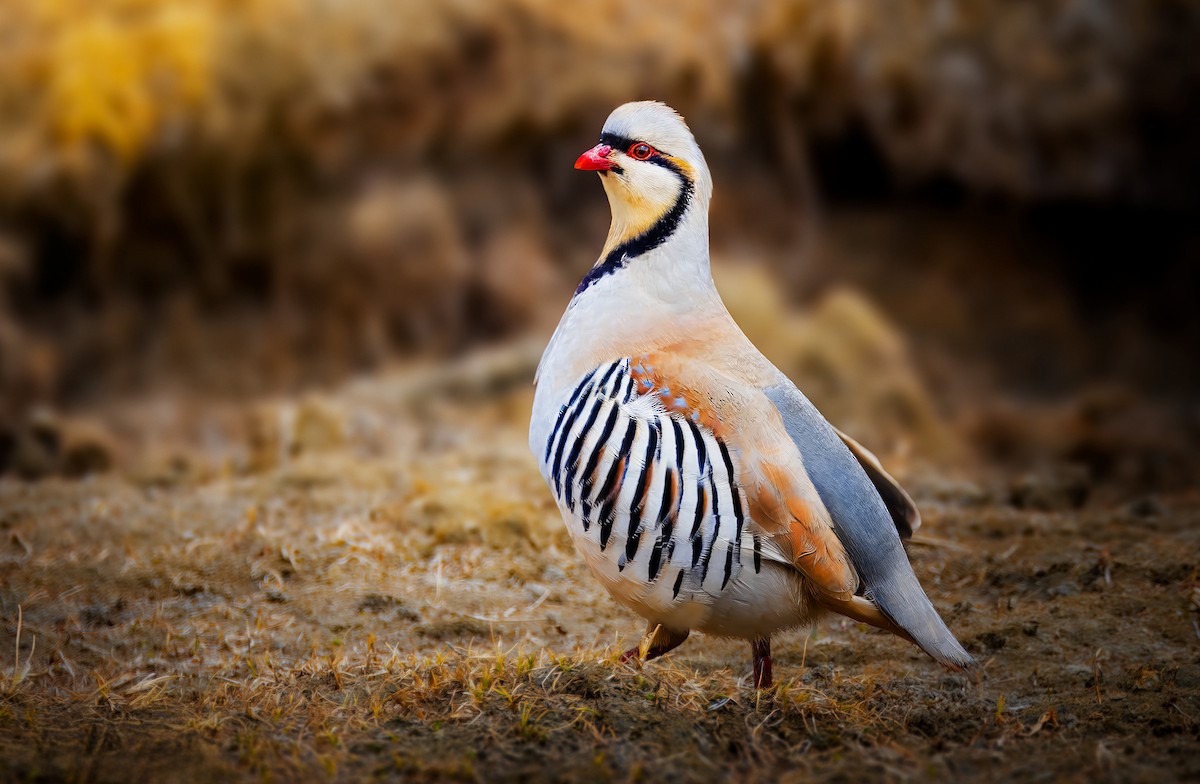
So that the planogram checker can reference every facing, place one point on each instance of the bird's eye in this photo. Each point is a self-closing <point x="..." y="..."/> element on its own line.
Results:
<point x="641" y="151"/>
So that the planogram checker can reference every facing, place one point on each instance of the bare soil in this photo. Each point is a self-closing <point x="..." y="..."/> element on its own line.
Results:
<point x="369" y="584"/>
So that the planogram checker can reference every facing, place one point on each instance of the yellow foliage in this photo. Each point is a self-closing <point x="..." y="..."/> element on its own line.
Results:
<point x="95" y="90"/>
<point x="983" y="90"/>
<point x="113" y="76"/>
<point x="111" y="73"/>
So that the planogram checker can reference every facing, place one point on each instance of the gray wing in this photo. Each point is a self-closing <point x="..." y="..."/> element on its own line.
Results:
<point x="899" y="504"/>
<point x="865" y="527"/>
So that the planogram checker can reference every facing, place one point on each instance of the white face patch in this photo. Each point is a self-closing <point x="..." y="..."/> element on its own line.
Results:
<point x="639" y="195"/>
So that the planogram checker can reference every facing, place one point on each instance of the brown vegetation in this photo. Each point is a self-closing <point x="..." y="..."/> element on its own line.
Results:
<point x="199" y="188"/>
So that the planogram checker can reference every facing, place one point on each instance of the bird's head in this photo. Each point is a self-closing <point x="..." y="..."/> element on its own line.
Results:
<point x="653" y="173"/>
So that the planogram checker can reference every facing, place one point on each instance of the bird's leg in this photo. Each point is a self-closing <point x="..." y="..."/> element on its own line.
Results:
<point x="657" y="641"/>
<point x="761" y="649"/>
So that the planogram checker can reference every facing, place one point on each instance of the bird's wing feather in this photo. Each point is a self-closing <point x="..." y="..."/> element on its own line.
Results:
<point x="782" y="502"/>
<point x="864" y="526"/>
<point x="899" y="503"/>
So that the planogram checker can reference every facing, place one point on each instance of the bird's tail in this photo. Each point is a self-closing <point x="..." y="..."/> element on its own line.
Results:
<point x="904" y="610"/>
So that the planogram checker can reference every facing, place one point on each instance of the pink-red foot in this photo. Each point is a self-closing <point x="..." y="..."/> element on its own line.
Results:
<point x="761" y="650"/>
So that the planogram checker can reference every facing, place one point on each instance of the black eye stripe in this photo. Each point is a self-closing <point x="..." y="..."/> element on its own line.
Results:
<point x="623" y="143"/>
<point x="616" y="141"/>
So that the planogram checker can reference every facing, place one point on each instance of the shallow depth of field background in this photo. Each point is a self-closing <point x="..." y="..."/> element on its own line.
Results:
<point x="274" y="277"/>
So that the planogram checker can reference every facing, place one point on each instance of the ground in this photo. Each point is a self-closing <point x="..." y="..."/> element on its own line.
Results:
<point x="368" y="583"/>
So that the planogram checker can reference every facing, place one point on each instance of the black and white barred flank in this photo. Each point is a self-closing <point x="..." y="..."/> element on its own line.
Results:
<point x="654" y="484"/>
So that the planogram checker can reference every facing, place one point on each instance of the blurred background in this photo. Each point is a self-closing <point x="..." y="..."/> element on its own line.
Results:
<point x="969" y="230"/>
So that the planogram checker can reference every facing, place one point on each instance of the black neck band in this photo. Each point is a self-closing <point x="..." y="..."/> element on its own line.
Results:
<point x="650" y="239"/>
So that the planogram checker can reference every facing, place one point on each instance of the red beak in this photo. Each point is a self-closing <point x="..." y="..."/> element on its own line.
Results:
<point x="595" y="159"/>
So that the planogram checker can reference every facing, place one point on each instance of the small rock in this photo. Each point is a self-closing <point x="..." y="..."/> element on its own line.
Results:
<point x="1079" y="670"/>
<point x="957" y="492"/>
<point x="1188" y="677"/>
<point x="1068" y="588"/>
<point x="990" y="641"/>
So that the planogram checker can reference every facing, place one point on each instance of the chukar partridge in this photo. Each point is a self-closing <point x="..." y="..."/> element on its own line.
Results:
<point x="702" y="488"/>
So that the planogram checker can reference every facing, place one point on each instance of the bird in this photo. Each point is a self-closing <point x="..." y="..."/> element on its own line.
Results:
<point x="701" y="487"/>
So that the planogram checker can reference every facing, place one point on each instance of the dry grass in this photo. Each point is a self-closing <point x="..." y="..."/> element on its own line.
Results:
<point x="395" y="597"/>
